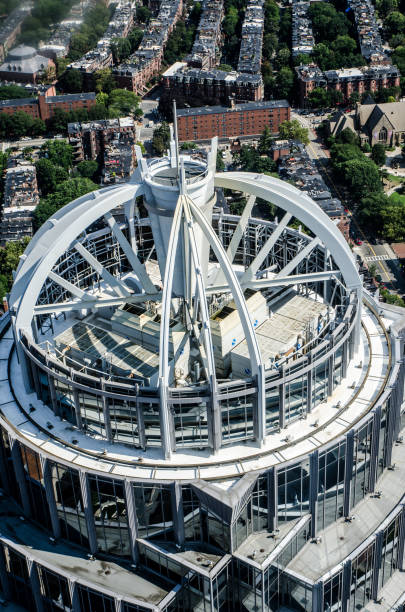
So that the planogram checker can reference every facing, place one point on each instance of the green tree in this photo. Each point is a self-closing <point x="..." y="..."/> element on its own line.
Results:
<point x="369" y="211"/>
<point x="11" y="92"/>
<point x="65" y="193"/>
<point x="38" y="127"/>
<point x="293" y="130"/>
<point x="143" y="14"/>
<point x="161" y="138"/>
<point x="134" y="38"/>
<point x="347" y="136"/>
<point x="104" y="80"/>
<point x="220" y="162"/>
<point x="49" y="176"/>
<point x="20" y="124"/>
<point x="284" y="82"/>
<point x="230" y="22"/>
<point x="59" y="153"/>
<point x="87" y="169"/>
<point x="265" y="141"/>
<point x="378" y="154"/>
<point x="10" y="258"/>
<point x="225" y="67"/>
<point x="71" y="81"/>
<point x="362" y="177"/>
<point x="121" y="49"/>
<point x="122" y="102"/>
<point x="395" y="23"/>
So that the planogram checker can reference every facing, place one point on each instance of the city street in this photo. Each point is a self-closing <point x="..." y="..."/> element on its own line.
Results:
<point x="382" y="255"/>
<point x="149" y="119"/>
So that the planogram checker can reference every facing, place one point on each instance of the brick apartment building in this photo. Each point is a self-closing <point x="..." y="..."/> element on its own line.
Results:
<point x="11" y="28"/>
<point x="90" y="139"/>
<point x="181" y="81"/>
<point x="20" y="200"/>
<point x="44" y="106"/>
<point x="247" y="119"/>
<point x="348" y="80"/>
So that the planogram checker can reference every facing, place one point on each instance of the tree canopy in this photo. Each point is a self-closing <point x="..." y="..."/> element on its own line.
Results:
<point x="161" y="138"/>
<point x="49" y="175"/>
<point x="59" y="153"/>
<point x="66" y="192"/>
<point x="378" y="154"/>
<point x="293" y="130"/>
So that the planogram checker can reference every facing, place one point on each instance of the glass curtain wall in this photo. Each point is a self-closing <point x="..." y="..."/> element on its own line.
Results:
<point x="331" y="485"/>
<point x="69" y="504"/>
<point x="110" y="515"/>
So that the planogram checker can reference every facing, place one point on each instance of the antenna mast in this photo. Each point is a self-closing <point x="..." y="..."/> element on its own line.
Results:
<point x="176" y="136"/>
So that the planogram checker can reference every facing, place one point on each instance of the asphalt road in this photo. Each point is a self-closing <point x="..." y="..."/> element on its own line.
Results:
<point x="380" y="254"/>
<point x="149" y="108"/>
<point x="22" y="144"/>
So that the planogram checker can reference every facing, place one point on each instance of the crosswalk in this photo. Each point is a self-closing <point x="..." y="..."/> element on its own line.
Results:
<point x="379" y="258"/>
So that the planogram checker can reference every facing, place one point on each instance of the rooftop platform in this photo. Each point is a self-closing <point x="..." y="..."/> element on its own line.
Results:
<point x="343" y="537"/>
<point x="65" y="559"/>
<point x="355" y="394"/>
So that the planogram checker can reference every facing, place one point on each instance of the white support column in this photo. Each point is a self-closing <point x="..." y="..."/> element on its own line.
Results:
<point x="237" y="236"/>
<point x="167" y="442"/>
<point x="237" y="292"/>
<point x="116" y="285"/>
<point x="136" y="265"/>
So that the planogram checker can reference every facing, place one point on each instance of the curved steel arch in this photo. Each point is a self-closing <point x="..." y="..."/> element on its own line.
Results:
<point x="53" y="240"/>
<point x="59" y="233"/>
<point x="299" y="205"/>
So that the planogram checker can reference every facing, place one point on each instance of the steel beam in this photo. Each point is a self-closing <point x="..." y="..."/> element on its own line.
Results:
<point x="116" y="285"/>
<point x="267" y="283"/>
<point x="104" y="302"/>
<point x="266" y="248"/>
<point x="136" y="265"/>
<point x="299" y="257"/>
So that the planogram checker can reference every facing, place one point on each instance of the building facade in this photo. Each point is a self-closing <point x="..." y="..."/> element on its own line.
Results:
<point x="25" y="65"/>
<point x="239" y="120"/>
<point x="371" y="78"/>
<point x="20" y="200"/>
<point x="184" y="82"/>
<point x="374" y="123"/>
<point x="45" y="105"/>
<point x="90" y="139"/>
<point x="11" y="28"/>
<point x="144" y="476"/>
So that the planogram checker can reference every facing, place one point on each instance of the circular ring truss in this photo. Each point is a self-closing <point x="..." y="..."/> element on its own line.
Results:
<point x="104" y="222"/>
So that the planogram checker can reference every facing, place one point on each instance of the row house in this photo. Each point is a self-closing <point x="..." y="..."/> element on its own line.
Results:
<point x="91" y="138"/>
<point x="21" y="197"/>
<point x="250" y="54"/>
<point x="303" y="40"/>
<point x="138" y="70"/>
<point x="347" y="80"/>
<point x="206" y="50"/>
<point x="11" y="28"/>
<point x="101" y="57"/>
<point x="212" y="84"/>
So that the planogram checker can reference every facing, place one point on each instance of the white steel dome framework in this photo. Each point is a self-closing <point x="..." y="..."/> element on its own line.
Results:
<point x="198" y="275"/>
<point x="201" y="402"/>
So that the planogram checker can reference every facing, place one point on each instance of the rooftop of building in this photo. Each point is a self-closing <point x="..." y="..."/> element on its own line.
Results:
<point x="66" y="559"/>
<point x="25" y="60"/>
<point x="212" y="110"/>
<point x="355" y="395"/>
<point x="342" y="537"/>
